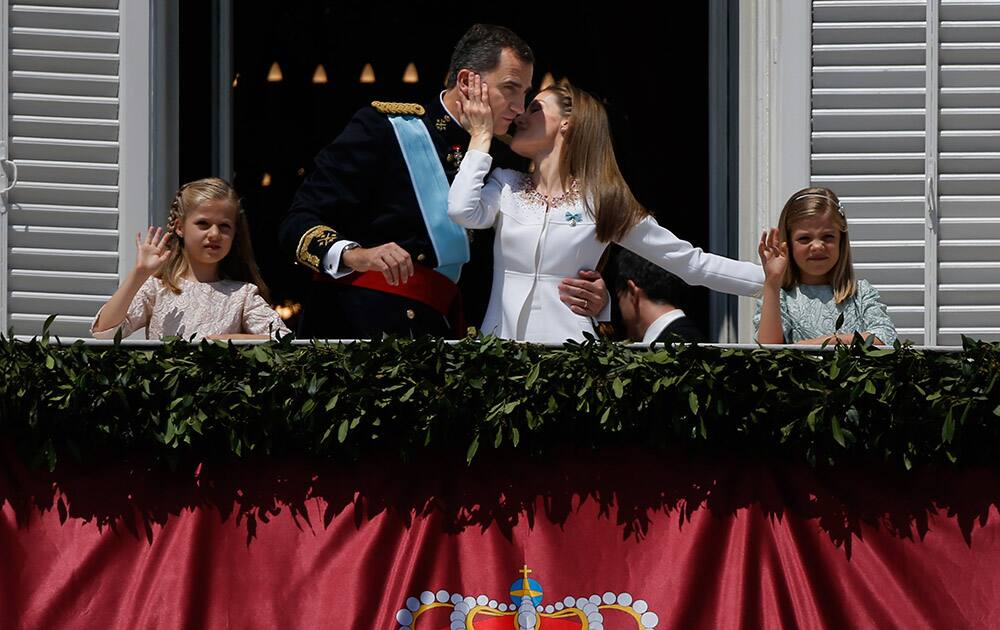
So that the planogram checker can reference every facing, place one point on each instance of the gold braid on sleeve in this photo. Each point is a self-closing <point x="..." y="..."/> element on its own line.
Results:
<point x="313" y="243"/>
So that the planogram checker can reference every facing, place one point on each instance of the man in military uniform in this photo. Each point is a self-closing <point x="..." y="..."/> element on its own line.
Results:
<point x="367" y="219"/>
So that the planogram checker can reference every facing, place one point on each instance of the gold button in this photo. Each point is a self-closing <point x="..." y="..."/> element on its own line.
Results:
<point x="421" y="257"/>
<point x="411" y="314"/>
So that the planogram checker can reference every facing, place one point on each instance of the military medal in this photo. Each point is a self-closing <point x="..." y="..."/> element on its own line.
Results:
<point x="455" y="156"/>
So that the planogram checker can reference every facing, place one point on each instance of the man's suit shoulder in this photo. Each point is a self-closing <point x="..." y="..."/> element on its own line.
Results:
<point x="375" y="116"/>
<point x="684" y="329"/>
<point x="368" y="131"/>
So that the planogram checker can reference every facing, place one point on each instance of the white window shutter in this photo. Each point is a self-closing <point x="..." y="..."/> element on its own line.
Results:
<point x="969" y="171"/>
<point x="62" y="238"/>
<point x="868" y="130"/>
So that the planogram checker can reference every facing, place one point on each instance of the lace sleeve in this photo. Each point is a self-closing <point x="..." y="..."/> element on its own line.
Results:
<point x="258" y="316"/>
<point x="787" y="326"/>
<point x="874" y="313"/>
<point x="137" y="316"/>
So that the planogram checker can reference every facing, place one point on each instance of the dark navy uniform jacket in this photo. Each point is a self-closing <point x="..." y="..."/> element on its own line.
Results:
<point x="360" y="190"/>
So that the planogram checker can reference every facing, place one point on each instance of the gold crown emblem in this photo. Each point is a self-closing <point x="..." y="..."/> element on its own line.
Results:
<point x="526" y="610"/>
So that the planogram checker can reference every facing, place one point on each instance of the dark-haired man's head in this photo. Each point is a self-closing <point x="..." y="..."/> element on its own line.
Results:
<point x="645" y="292"/>
<point x="503" y="60"/>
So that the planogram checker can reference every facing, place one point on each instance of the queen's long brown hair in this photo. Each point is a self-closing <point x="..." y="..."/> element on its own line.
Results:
<point x="589" y="157"/>
<point x="238" y="264"/>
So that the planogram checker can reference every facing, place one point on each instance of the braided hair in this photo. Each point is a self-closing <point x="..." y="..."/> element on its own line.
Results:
<point x="176" y="215"/>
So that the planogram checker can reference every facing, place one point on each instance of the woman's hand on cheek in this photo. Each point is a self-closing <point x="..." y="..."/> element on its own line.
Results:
<point x="474" y="111"/>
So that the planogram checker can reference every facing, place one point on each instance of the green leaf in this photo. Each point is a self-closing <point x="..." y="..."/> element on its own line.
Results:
<point x="531" y="419"/>
<point x="884" y="352"/>
<point x="618" y="387"/>
<point x="533" y="375"/>
<point x="693" y="402"/>
<point x="48" y="324"/>
<point x="50" y="362"/>
<point x="869" y="387"/>
<point x="326" y="434"/>
<point x="408" y="394"/>
<point x="811" y="418"/>
<point x="471" y="452"/>
<point x="604" y="416"/>
<point x="838" y="435"/>
<point x="948" y="428"/>
<point x="342" y="431"/>
<point x="260" y="355"/>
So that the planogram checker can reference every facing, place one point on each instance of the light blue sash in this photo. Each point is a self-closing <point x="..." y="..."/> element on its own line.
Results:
<point x="451" y="245"/>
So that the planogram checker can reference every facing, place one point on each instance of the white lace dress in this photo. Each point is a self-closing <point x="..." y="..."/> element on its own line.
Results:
<point x="201" y="309"/>
<point x="539" y="242"/>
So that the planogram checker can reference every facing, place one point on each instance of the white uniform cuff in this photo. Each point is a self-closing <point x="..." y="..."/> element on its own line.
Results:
<point x="331" y="260"/>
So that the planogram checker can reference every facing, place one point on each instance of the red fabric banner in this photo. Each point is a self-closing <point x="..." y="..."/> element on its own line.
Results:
<point x="621" y="539"/>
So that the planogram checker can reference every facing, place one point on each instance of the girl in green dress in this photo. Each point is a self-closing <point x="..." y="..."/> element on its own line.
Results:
<point x="806" y="294"/>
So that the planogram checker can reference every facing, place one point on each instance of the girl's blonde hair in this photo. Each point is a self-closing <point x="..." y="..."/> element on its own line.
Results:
<point x="589" y="157"/>
<point x="818" y="202"/>
<point x="238" y="264"/>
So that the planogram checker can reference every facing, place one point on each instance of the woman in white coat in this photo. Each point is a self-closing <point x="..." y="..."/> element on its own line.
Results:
<point x="559" y="219"/>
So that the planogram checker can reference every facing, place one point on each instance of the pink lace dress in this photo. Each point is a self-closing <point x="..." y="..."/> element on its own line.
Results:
<point x="201" y="309"/>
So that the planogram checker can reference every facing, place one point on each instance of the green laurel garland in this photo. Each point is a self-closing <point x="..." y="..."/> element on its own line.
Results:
<point x="217" y="400"/>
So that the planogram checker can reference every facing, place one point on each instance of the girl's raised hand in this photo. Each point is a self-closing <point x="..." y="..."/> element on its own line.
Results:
<point x="773" y="256"/>
<point x="474" y="111"/>
<point x="153" y="252"/>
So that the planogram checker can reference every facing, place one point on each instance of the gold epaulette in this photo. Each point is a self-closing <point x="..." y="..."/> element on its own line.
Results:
<point x="399" y="109"/>
<point x="313" y="245"/>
